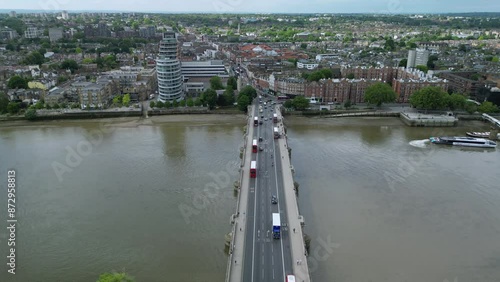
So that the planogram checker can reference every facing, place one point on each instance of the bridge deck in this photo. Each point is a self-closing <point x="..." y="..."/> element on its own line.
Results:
<point x="297" y="248"/>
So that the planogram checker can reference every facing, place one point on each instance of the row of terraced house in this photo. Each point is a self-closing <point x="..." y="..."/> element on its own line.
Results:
<point x="404" y="82"/>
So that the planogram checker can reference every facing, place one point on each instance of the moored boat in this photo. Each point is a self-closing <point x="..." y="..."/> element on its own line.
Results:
<point x="481" y="134"/>
<point x="464" y="141"/>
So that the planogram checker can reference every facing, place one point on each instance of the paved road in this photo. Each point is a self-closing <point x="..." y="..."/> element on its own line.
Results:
<point x="265" y="258"/>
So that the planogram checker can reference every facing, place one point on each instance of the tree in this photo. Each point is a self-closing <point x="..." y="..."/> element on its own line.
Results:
<point x="430" y="98"/>
<point x="87" y="61"/>
<point x="69" y="65"/>
<point x="379" y="93"/>
<point x="115" y="277"/>
<point x="175" y="104"/>
<point x="229" y="96"/>
<point x="470" y="107"/>
<point x="487" y="107"/>
<point x="182" y="103"/>
<point x="243" y="102"/>
<point x="315" y="76"/>
<point x="288" y="104"/>
<point x="422" y="68"/>
<point x="494" y="59"/>
<point x="456" y="101"/>
<point x="250" y="92"/>
<point x="160" y="104"/>
<point x="30" y="114"/>
<point x="350" y="76"/>
<point x="430" y="63"/>
<point x="4" y="101"/>
<point x="56" y="106"/>
<point x="10" y="47"/>
<point x="117" y="100"/>
<point x="232" y="82"/>
<point x="34" y="58"/>
<point x="347" y="104"/>
<point x="210" y="98"/>
<point x="198" y="102"/>
<point x="39" y="105"/>
<point x="216" y="83"/>
<point x="327" y="73"/>
<point x="152" y="104"/>
<point x="17" y="82"/>
<point x="62" y="79"/>
<point x="110" y="61"/>
<point x="462" y="48"/>
<point x="126" y="100"/>
<point x="403" y="63"/>
<point x="300" y="103"/>
<point x="190" y="102"/>
<point x="389" y="44"/>
<point x="78" y="50"/>
<point x="303" y="46"/>
<point x="13" y="108"/>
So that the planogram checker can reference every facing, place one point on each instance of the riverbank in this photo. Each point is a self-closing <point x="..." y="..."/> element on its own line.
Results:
<point x="119" y="113"/>
<point x="131" y="121"/>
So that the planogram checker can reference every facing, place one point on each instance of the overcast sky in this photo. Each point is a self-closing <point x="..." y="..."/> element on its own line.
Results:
<point x="266" y="6"/>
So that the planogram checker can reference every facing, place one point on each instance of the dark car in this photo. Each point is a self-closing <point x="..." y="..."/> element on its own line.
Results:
<point x="261" y="148"/>
<point x="260" y="139"/>
<point x="274" y="199"/>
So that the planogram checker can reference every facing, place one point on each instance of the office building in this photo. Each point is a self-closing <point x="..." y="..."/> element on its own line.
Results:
<point x="206" y="69"/>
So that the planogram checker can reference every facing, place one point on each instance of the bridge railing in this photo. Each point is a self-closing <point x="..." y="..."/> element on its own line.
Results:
<point x="235" y="225"/>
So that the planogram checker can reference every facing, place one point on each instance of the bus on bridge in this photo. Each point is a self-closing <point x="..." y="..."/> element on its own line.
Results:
<point x="276" y="133"/>
<point x="276" y="226"/>
<point x="290" y="278"/>
<point x="254" y="146"/>
<point x="275" y="118"/>
<point x="253" y="169"/>
<point x="255" y="121"/>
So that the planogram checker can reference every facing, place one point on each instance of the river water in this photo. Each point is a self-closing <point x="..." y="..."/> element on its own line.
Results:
<point x="153" y="198"/>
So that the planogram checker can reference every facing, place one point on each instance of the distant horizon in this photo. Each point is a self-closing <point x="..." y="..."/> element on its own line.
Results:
<point x="29" y="11"/>
<point x="258" y="6"/>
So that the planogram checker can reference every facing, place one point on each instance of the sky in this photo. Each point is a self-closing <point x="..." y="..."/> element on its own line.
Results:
<point x="260" y="6"/>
